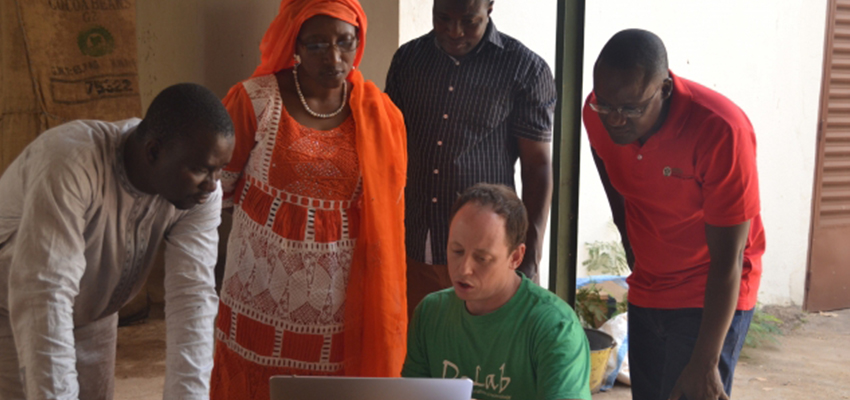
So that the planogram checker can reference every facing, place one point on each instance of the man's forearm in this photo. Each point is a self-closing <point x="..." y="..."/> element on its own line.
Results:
<point x="44" y="338"/>
<point x="726" y="249"/>
<point x="191" y="302"/>
<point x="620" y="222"/>
<point x="721" y="299"/>
<point x="537" y="197"/>
<point x="700" y="379"/>
<point x="189" y="344"/>
<point x="190" y="310"/>
<point x="618" y="207"/>
<point x="43" y="289"/>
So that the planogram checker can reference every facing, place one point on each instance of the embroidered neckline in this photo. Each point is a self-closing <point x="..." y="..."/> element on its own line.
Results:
<point x="120" y="168"/>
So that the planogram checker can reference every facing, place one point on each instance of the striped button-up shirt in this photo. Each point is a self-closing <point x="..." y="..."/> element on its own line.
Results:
<point x="463" y="119"/>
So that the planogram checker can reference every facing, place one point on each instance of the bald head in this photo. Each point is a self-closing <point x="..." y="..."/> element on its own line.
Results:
<point x="635" y="49"/>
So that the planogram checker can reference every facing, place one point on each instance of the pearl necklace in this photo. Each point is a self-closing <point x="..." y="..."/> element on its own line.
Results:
<point x="304" y="101"/>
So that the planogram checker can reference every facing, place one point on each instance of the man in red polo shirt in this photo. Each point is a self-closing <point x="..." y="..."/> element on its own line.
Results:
<point x="678" y="163"/>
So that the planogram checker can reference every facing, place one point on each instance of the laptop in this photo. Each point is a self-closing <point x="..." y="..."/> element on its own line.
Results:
<point x="345" y="388"/>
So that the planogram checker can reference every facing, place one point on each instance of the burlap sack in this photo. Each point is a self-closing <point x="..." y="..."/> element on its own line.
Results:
<point x="63" y="60"/>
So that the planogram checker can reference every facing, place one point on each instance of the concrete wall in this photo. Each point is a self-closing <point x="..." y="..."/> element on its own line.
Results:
<point x="382" y="38"/>
<point x="211" y="42"/>
<point x="216" y="42"/>
<point x="767" y="57"/>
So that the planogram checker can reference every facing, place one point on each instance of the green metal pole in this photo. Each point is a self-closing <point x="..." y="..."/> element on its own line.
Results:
<point x="566" y="146"/>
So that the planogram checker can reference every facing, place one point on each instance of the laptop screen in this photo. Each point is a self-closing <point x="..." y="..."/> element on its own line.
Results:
<point x="346" y="388"/>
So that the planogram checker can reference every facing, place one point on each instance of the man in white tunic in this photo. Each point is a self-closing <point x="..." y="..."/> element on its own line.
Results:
<point x="83" y="210"/>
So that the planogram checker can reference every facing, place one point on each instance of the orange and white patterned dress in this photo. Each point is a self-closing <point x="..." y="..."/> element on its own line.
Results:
<point x="295" y="222"/>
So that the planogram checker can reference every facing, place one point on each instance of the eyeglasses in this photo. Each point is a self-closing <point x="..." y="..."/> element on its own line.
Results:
<point x="626" y="112"/>
<point x="344" y="46"/>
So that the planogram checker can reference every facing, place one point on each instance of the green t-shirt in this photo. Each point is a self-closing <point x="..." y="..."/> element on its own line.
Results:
<point x="533" y="347"/>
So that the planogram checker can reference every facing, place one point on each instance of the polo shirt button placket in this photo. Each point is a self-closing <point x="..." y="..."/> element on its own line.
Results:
<point x="640" y="157"/>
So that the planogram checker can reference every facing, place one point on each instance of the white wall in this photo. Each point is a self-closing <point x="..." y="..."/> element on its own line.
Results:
<point x="511" y="17"/>
<point x="767" y="57"/>
<point x="414" y="19"/>
<point x="514" y="18"/>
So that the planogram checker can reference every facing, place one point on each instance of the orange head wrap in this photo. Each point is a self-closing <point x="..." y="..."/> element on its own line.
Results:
<point x="278" y="46"/>
<point x="375" y="301"/>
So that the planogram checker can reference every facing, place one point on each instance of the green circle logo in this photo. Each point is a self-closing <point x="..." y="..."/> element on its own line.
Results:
<point x="96" y="42"/>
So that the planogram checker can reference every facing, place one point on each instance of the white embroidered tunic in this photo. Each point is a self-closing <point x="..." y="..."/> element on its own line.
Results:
<point x="77" y="242"/>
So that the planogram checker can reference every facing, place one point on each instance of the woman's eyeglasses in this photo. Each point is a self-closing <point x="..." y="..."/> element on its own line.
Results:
<point x="344" y="46"/>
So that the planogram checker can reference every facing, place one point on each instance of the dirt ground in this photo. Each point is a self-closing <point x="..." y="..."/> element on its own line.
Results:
<point x="140" y="363"/>
<point x="811" y="360"/>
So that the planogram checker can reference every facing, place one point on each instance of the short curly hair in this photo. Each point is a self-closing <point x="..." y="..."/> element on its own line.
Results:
<point x="635" y="49"/>
<point x="183" y="110"/>
<point x="504" y="202"/>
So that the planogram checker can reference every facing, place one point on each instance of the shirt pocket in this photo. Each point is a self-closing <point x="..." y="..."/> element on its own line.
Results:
<point x="679" y="183"/>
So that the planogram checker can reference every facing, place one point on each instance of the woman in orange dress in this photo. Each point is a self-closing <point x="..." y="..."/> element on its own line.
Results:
<point x="314" y="280"/>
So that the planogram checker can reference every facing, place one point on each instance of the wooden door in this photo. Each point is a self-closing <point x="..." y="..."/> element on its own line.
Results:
<point x="828" y="276"/>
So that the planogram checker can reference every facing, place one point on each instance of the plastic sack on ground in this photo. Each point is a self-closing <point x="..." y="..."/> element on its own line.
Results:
<point x="618" y="363"/>
<point x="618" y="328"/>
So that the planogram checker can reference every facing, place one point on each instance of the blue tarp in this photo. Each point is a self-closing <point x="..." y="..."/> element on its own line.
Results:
<point x="620" y="280"/>
<point x="608" y="381"/>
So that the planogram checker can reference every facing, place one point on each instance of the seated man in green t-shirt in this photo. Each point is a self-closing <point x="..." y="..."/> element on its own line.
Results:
<point x="512" y="338"/>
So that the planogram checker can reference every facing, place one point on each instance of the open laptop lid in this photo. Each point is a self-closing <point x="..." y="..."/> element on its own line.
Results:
<point x="345" y="388"/>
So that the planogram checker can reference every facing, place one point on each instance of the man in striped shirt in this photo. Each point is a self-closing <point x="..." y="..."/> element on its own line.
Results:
<point x="474" y="101"/>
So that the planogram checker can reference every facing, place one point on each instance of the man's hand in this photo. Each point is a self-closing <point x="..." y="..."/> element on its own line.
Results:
<point x="699" y="381"/>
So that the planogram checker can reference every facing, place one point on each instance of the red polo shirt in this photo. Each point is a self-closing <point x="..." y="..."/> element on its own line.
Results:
<point x="699" y="169"/>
